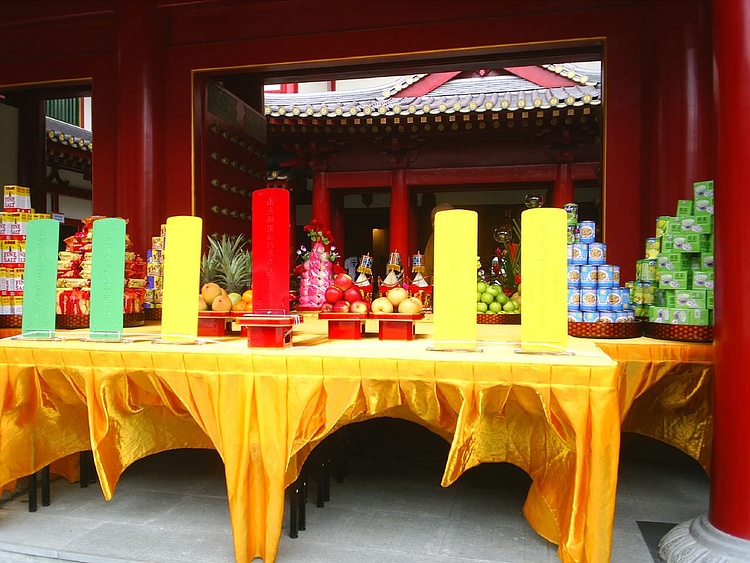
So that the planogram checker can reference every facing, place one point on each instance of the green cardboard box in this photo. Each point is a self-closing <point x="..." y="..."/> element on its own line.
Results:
<point x="679" y="316"/>
<point x="674" y="261"/>
<point x="687" y="242"/>
<point x="702" y="279"/>
<point x="703" y="189"/>
<point x="676" y="279"/>
<point x="684" y="207"/>
<point x="674" y="227"/>
<point x="704" y="205"/>
<point x="706" y="261"/>
<point x="686" y="298"/>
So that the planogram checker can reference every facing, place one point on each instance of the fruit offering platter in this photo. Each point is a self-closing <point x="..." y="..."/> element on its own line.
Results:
<point x="495" y="307"/>
<point x="344" y="296"/>
<point x="396" y="326"/>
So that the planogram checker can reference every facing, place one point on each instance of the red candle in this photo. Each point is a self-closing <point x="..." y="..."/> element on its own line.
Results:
<point x="270" y="243"/>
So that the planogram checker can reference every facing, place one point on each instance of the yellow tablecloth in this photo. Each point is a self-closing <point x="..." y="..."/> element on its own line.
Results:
<point x="665" y="392"/>
<point x="557" y="417"/>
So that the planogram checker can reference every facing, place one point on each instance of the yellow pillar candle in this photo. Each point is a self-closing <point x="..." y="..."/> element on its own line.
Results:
<point x="544" y="262"/>
<point x="182" y="257"/>
<point x="455" y="280"/>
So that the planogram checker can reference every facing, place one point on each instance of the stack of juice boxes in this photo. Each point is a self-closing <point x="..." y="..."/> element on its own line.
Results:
<point x="594" y="292"/>
<point x="16" y="214"/>
<point x="155" y="271"/>
<point x="676" y="278"/>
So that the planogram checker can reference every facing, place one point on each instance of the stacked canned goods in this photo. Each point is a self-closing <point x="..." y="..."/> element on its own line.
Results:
<point x="594" y="292"/>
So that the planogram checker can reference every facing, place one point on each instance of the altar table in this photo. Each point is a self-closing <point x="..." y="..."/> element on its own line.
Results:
<point x="263" y="410"/>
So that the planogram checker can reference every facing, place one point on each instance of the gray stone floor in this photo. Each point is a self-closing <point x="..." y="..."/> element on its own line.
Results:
<point x="390" y="508"/>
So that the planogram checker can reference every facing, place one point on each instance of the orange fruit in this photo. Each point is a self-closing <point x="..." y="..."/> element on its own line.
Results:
<point x="247" y="296"/>
<point x="240" y="306"/>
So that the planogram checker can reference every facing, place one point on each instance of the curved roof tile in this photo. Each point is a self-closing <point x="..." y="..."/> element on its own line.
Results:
<point x="489" y="93"/>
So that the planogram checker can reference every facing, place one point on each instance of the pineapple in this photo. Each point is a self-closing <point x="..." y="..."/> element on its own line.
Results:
<point x="227" y="263"/>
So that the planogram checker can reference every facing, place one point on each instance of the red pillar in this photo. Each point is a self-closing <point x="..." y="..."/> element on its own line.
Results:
<point x="562" y="191"/>
<point x="730" y="466"/>
<point x="677" y="135"/>
<point x="140" y="121"/>
<point x="321" y="199"/>
<point x="399" y="234"/>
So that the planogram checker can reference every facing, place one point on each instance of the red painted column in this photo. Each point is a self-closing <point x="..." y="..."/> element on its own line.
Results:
<point x="399" y="218"/>
<point x="678" y="120"/>
<point x="321" y="199"/>
<point x="730" y="466"/>
<point x="140" y="186"/>
<point x="562" y="191"/>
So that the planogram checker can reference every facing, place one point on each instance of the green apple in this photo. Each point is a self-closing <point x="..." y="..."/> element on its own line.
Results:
<point x="501" y="298"/>
<point x="516" y="304"/>
<point x="509" y="307"/>
<point x="481" y="307"/>
<point x="481" y="287"/>
<point x="479" y="296"/>
<point x="487" y="297"/>
<point x="493" y="289"/>
<point x="495" y="307"/>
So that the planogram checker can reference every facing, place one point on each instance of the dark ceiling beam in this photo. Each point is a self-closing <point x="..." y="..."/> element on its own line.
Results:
<point x="460" y="176"/>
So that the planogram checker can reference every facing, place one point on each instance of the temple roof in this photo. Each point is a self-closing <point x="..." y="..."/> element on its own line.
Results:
<point x="514" y="88"/>
<point x="70" y="135"/>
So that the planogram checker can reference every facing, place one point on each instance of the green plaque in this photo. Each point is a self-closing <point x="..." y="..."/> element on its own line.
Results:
<point x="107" y="279"/>
<point x="40" y="278"/>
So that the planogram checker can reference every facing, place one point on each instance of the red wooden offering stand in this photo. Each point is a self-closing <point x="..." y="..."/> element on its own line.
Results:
<point x="345" y="326"/>
<point x="396" y="326"/>
<point x="268" y="331"/>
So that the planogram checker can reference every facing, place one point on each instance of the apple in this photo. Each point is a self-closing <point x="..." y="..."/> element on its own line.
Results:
<point x="341" y="306"/>
<point x="382" y="305"/>
<point x="481" y="307"/>
<point x="396" y="295"/>
<point x="509" y="307"/>
<point x="333" y="294"/>
<point x="493" y="290"/>
<point x="487" y="298"/>
<point x="343" y="281"/>
<point x="495" y="307"/>
<point x="353" y="294"/>
<point x="481" y="287"/>
<point x="501" y="298"/>
<point x="234" y="297"/>
<point x="410" y="306"/>
<point x="359" y="306"/>
<point x="326" y="308"/>
<point x="209" y="292"/>
<point x="221" y="303"/>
